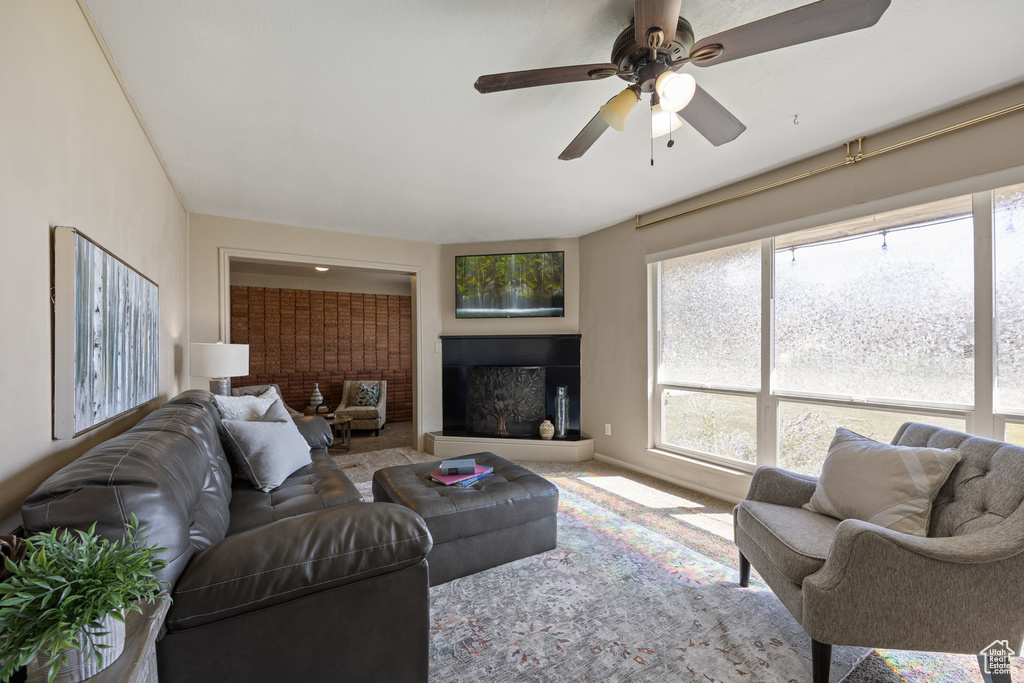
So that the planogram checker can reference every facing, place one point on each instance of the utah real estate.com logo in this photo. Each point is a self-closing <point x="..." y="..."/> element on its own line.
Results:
<point x="995" y="658"/>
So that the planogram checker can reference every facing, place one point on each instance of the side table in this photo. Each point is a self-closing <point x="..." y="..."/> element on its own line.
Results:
<point x="342" y="425"/>
<point x="137" y="664"/>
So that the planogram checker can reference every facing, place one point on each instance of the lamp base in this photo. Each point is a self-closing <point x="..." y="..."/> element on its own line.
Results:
<point x="221" y="386"/>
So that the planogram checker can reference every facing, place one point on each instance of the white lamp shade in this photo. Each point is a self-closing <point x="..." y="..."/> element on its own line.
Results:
<point x="619" y="108"/>
<point x="663" y="122"/>
<point x="675" y="90"/>
<point x="218" y="360"/>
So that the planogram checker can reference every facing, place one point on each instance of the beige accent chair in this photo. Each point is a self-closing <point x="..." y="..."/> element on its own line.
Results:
<point x="364" y="417"/>
<point x="958" y="589"/>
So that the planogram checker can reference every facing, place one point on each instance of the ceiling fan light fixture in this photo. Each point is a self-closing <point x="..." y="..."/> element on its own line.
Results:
<point x="675" y="90"/>
<point x="618" y="108"/>
<point x="663" y="122"/>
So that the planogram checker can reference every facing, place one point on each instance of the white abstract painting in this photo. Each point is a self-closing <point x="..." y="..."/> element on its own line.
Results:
<point x="106" y="335"/>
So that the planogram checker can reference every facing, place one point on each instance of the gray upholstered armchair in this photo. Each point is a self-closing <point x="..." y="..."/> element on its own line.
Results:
<point x="854" y="583"/>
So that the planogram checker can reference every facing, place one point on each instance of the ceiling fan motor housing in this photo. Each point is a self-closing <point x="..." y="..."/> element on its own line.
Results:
<point x="628" y="54"/>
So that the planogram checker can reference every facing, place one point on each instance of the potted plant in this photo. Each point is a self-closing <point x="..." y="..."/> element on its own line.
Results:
<point x="64" y="603"/>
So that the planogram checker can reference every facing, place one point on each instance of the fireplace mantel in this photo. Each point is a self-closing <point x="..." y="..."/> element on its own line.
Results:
<point x="559" y="356"/>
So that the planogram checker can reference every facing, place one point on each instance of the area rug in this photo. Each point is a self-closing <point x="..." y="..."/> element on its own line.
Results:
<point x="628" y="533"/>
<point x="615" y="602"/>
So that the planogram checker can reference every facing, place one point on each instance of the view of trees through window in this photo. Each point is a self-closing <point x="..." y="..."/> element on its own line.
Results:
<point x="873" y="327"/>
<point x="805" y="431"/>
<point x="1015" y="434"/>
<point x="719" y="424"/>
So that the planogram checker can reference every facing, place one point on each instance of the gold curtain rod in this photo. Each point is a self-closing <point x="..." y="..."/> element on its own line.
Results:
<point x="848" y="160"/>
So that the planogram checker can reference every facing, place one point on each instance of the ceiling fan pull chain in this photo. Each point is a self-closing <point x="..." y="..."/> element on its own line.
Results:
<point x="652" y="131"/>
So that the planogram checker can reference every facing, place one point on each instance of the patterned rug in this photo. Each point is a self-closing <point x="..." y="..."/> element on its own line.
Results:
<point x="615" y="602"/>
<point x="643" y="569"/>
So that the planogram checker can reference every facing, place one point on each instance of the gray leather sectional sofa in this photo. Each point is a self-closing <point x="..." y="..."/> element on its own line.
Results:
<point x="305" y="583"/>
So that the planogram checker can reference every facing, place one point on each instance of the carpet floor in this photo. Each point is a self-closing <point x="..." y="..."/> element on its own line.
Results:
<point x="642" y="587"/>
<point x="392" y="435"/>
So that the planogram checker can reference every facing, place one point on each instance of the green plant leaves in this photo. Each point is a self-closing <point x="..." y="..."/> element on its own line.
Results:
<point x="68" y="581"/>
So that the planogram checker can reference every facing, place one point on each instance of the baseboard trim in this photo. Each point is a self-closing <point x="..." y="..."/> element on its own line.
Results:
<point x="510" y="449"/>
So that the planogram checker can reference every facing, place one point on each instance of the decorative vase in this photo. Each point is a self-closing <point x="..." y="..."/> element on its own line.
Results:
<point x="316" y="398"/>
<point x="547" y="430"/>
<point x="80" y="666"/>
<point x="561" y="412"/>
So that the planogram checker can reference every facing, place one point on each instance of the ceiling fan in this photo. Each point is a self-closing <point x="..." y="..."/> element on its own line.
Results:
<point x="649" y="53"/>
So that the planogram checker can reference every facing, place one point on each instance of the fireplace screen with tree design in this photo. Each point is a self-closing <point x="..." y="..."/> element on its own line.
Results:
<point x="505" y="401"/>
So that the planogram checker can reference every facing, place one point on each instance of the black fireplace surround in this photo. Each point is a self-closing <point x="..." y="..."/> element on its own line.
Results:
<point x="471" y="363"/>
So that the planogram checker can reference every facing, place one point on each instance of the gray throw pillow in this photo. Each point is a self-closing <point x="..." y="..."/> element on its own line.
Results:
<point x="267" y="450"/>
<point x="891" y="486"/>
<point x="366" y="395"/>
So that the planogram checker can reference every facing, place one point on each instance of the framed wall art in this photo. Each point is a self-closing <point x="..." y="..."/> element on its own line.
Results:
<point x="106" y="335"/>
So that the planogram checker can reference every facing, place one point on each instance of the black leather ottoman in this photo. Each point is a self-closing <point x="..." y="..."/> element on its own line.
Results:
<point x="503" y="517"/>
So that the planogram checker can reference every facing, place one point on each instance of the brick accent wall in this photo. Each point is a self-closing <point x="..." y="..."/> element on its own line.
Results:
<point x="298" y="337"/>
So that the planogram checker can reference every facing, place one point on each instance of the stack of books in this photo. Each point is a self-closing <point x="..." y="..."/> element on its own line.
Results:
<point x="463" y="473"/>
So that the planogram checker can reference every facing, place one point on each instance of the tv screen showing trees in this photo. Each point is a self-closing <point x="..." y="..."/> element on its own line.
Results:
<point x="510" y="285"/>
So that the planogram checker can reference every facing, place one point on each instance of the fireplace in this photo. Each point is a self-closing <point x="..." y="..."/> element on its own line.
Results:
<point x="505" y="385"/>
<point x="504" y="401"/>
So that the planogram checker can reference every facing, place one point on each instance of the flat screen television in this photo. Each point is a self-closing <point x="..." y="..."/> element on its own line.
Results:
<point x="510" y="285"/>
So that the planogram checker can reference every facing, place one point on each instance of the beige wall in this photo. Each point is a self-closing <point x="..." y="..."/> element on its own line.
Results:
<point x="613" y="303"/>
<point x="209" y="234"/>
<point x="570" y="324"/>
<point x="71" y="153"/>
<point x="350" y="282"/>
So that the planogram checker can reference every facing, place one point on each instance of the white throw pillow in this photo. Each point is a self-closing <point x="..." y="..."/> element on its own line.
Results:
<point x="267" y="450"/>
<point x="247" y="408"/>
<point x="891" y="486"/>
<point x="271" y="395"/>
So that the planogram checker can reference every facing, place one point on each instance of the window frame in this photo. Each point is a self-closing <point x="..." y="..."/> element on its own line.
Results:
<point x="981" y="418"/>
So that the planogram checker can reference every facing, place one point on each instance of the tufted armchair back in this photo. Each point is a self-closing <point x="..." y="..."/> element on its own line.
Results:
<point x="985" y="487"/>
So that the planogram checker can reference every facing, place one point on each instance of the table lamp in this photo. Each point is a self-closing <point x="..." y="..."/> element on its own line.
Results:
<point x="220" y="362"/>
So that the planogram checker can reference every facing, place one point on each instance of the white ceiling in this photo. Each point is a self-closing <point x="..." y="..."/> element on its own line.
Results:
<point x="362" y="117"/>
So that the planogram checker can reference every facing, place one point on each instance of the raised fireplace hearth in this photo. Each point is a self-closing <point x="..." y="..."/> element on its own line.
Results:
<point x="504" y="386"/>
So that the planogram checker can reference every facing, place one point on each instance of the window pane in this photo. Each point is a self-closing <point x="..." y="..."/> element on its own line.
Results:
<point x="719" y="424"/>
<point x="711" y="317"/>
<point x="1008" y="226"/>
<point x="880" y="315"/>
<point x="1014" y="434"/>
<point x="805" y="431"/>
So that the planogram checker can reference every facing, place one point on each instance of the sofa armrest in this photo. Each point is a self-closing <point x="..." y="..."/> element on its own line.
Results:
<point x="781" y="487"/>
<point x="901" y="591"/>
<point x="315" y="430"/>
<point x="295" y="557"/>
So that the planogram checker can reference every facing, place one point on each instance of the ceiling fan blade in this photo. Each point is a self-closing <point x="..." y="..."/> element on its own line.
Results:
<point x="586" y="137"/>
<point x="656" y="14"/>
<point x="709" y="118"/>
<point x="801" y="25"/>
<point x="558" y="74"/>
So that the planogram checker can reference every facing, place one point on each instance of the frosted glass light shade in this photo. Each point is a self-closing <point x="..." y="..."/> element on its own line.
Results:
<point x="218" y="360"/>
<point x="663" y="122"/>
<point x="619" y="108"/>
<point x="675" y="90"/>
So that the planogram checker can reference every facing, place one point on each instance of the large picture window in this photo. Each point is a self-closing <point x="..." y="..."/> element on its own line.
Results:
<point x="864" y="324"/>
<point x="880" y="313"/>
<point x="710" y="312"/>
